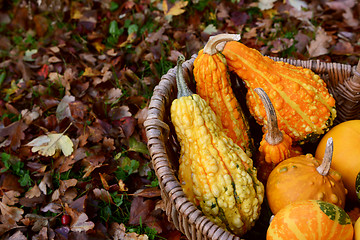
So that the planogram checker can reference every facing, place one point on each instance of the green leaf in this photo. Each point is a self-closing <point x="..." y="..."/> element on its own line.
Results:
<point x="136" y="146"/>
<point x="5" y="158"/>
<point x="114" y="6"/>
<point x="114" y="29"/>
<point x="25" y="180"/>
<point x="133" y="28"/>
<point x="2" y="77"/>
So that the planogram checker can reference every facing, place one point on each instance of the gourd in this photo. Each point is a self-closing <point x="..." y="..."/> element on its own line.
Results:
<point x="213" y="85"/>
<point x="345" y="160"/>
<point x="303" y="177"/>
<point x="275" y="145"/>
<point x="310" y="220"/>
<point x="214" y="172"/>
<point x="357" y="229"/>
<point x="304" y="106"/>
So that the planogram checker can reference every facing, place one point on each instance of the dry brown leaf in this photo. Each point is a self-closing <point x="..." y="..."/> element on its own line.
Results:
<point x="118" y="232"/>
<point x="10" y="197"/>
<point x="13" y="213"/>
<point x="52" y="207"/>
<point x="46" y="182"/>
<point x="33" y="192"/>
<point x="65" y="184"/>
<point x="176" y="9"/>
<point x="18" y="235"/>
<point x="103" y="195"/>
<point x="80" y="223"/>
<point x="63" y="109"/>
<point x="15" y="133"/>
<point x="320" y="45"/>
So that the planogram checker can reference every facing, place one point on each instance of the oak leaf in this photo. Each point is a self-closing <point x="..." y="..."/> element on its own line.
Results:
<point x="176" y="9"/>
<point x="15" y="133"/>
<point x="47" y="145"/>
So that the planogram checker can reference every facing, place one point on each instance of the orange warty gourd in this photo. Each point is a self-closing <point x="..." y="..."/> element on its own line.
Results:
<point x="302" y="178"/>
<point x="346" y="156"/>
<point x="311" y="220"/>
<point x="304" y="106"/>
<point x="275" y="145"/>
<point x="213" y="85"/>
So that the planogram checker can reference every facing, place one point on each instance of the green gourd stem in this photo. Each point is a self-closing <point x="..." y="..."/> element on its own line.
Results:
<point x="183" y="89"/>
<point x="324" y="168"/>
<point x="217" y="43"/>
<point x="273" y="136"/>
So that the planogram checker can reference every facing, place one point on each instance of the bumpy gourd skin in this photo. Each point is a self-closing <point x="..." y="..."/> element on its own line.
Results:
<point x="303" y="104"/>
<point x="213" y="85"/>
<point x="215" y="173"/>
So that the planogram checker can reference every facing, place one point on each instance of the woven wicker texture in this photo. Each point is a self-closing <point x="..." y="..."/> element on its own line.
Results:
<point x="343" y="82"/>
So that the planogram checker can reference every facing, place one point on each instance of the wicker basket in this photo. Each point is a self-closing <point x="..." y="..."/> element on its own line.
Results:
<point x="343" y="82"/>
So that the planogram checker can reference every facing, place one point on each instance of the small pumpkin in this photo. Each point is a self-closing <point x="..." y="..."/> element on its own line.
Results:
<point x="310" y="220"/>
<point x="303" y="177"/>
<point x="346" y="156"/>
<point x="357" y="229"/>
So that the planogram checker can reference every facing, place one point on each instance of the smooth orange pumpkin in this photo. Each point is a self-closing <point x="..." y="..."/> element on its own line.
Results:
<point x="303" y="177"/>
<point x="346" y="156"/>
<point x="311" y="220"/>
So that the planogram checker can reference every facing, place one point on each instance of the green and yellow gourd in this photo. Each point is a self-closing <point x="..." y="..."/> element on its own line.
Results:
<point x="215" y="173"/>
<point x="305" y="109"/>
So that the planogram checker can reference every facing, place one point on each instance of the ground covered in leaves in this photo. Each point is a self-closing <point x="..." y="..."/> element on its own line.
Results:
<point x="76" y="78"/>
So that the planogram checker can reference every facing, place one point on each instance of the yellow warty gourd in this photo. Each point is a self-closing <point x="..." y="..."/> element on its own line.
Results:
<point x="215" y="173"/>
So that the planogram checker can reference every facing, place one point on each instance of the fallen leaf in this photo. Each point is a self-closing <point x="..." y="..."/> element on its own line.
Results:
<point x="148" y="192"/>
<point x="33" y="192"/>
<point x="266" y="4"/>
<point x="297" y="4"/>
<point x="47" y="145"/>
<point x="122" y="186"/>
<point x="10" y="197"/>
<point x="65" y="184"/>
<point x="63" y="109"/>
<point x="118" y="232"/>
<point x="103" y="195"/>
<point x="80" y="223"/>
<point x="46" y="182"/>
<point x="114" y="95"/>
<point x="14" y="213"/>
<point x="15" y="133"/>
<point x="137" y="146"/>
<point x="320" y="45"/>
<point x="17" y="236"/>
<point x="38" y="221"/>
<point x="176" y="9"/>
<point x="52" y="207"/>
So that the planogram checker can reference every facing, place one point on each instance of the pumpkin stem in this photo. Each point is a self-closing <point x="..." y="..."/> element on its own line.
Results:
<point x="273" y="136"/>
<point x="324" y="168"/>
<point x="217" y="43"/>
<point x="183" y="89"/>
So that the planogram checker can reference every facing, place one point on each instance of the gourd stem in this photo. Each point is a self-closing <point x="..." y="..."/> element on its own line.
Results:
<point x="274" y="135"/>
<point x="213" y="46"/>
<point x="183" y="89"/>
<point x="324" y="167"/>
